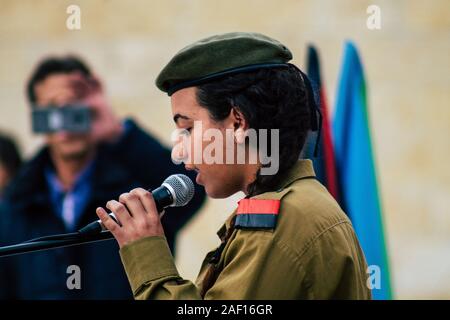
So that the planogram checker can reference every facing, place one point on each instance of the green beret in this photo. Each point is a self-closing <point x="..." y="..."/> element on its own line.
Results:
<point x="220" y="55"/>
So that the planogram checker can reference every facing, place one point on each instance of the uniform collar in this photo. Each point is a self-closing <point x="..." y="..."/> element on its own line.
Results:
<point x="301" y="170"/>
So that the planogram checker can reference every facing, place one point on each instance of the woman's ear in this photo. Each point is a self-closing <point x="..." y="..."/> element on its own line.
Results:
<point x="240" y="125"/>
<point x="238" y="119"/>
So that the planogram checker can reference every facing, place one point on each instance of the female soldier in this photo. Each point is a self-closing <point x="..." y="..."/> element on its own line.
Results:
<point x="288" y="238"/>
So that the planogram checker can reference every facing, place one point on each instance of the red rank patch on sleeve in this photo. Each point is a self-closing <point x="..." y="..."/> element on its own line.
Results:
<point x="257" y="213"/>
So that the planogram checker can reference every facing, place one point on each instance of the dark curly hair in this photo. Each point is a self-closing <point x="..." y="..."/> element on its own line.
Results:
<point x="275" y="98"/>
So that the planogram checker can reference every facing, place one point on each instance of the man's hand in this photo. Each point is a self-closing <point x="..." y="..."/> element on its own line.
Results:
<point x="136" y="214"/>
<point x="106" y="127"/>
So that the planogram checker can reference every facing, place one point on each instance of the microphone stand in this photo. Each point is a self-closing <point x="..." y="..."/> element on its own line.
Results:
<point x="64" y="240"/>
<point x="164" y="196"/>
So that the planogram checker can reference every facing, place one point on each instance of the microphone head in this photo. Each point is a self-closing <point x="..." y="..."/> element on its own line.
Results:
<point x="181" y="187"/>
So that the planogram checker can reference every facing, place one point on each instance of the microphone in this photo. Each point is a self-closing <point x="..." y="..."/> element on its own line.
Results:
<point x="176" y="191"/>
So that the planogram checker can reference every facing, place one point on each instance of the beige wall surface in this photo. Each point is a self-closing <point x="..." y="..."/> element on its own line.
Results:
<point x="407" y="69"/>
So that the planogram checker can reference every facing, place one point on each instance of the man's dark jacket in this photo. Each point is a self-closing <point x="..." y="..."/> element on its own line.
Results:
<point x="136" y="160"/>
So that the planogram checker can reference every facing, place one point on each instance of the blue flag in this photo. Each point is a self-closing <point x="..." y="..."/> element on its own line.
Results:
<point x="358" y="189"/>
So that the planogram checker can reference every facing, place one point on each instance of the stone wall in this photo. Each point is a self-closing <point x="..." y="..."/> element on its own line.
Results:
<point x="407" y="70"/>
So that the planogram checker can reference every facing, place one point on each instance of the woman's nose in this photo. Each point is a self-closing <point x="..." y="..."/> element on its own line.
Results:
<point x="179" y="152"/>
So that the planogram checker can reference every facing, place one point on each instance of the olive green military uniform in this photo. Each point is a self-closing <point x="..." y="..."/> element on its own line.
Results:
<point x="296" y="244"/>
<point x="311" y="253"/>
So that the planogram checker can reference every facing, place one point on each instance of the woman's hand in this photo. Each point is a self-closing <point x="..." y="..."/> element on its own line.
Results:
<point x="137" y="215"/>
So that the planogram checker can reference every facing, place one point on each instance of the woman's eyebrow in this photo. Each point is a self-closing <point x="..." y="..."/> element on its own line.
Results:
<point x="178" y="116"/>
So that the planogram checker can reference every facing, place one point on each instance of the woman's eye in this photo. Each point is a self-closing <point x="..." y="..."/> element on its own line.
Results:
<point x="188" y="129"/>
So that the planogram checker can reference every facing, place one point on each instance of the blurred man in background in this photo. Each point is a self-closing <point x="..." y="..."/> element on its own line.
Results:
<point x="10" y="161"/>
<point x="58" y="190"/>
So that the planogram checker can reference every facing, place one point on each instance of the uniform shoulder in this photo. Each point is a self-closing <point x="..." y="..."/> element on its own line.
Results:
<point x="309" y="201"/>
<point x="307" y="210"/>
<point x="294" y="217"/>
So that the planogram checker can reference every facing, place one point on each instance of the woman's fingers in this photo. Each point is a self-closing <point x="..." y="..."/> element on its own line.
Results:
<point x="120" y="211"/>
<point x="107" y="221"/>
<point x="136" y="214"/>
<point x="147" y="201"/>
<point x="134" y="205"/>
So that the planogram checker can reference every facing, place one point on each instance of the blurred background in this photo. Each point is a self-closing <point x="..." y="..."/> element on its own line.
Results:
<point x="407" y="72"/>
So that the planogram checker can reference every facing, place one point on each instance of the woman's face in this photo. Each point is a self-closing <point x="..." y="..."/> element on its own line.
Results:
<point x="220" y="179"/>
